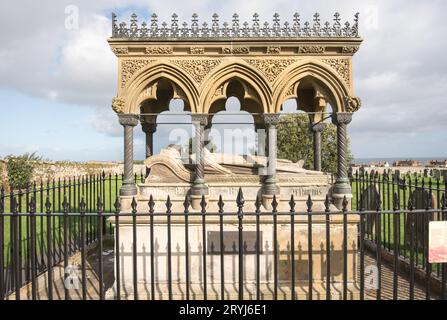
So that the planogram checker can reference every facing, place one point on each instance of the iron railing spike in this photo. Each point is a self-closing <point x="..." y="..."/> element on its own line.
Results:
<point x="168" y="204"/>
<point x="117" y="205"/>
<point x="309" y="203"/>
<point x="151" y="203"/>
<point x="292" y="203"/>
<point x="134" y="205"/>
<point x="221" y="204"/>
<point x="203" y="204"/>
<point x="240" y="198"/>
<point x="274" y="204"/>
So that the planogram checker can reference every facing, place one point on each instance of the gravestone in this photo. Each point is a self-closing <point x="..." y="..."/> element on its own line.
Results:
<point x="371" y="197"/>
<point x="436" y="174"/>
<point x="421" y="220"/>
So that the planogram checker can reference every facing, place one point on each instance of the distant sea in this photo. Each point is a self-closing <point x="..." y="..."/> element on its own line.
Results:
<point x="424" y="160"/>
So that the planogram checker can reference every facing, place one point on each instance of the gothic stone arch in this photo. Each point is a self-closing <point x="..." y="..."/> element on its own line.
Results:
<point x="310" y="62"/>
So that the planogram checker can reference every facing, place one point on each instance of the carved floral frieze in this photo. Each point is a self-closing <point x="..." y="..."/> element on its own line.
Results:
<point x="130" y="67"/>
<point x="342" y="66"/>
<point x="273" y="50"/>
<point x="312" y="49"/>
<point x="197" y="69"/>
<point x="120" y="50"/>
<point x="197" y="50"/>
<point x="350" y="49"/>
<point x="159" y="50"/>
<point x="271" y="68"/>
<point x="235" y="50"/>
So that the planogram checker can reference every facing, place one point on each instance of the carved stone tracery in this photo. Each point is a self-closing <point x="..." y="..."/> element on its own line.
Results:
<point x="271" y="68"/>
<point x="198" y="69"/>
<point x="130" y="67"/>
<point x="342" y="66"/>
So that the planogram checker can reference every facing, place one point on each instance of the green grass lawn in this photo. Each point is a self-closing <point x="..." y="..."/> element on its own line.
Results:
<point x="109" y="191"/>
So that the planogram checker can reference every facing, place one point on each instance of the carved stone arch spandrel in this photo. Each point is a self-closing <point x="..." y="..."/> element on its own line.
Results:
<point x="184" y="87"/>
<point x="332" y="84"/>
<point x="255" y="84"/>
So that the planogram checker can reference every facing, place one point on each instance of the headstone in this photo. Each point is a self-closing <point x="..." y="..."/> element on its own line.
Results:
<point x="420" y="198"/>
<point x="444" y="174"/>
<point x="370" y="196"/>
<point x="436" y="174"/>
<point x="426" y="172"/>
<point x="396" y="175"/>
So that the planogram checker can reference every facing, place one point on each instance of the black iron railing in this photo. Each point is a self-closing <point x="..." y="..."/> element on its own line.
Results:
<point x="377" y="192"/>
<point x="42" y="228"/>
<point x="80" y="240"/>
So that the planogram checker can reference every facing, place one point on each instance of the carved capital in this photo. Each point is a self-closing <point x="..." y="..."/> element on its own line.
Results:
<point x="201" y="119"/>
<point x="149" y="123"/>
<point x="271" y="119"/>
<point x="118" y="105"/>
<point x="352" y="104"/>
<point x="317" y="127"/>
<point x="128" y="120"/>
<point x="341" y="118"/>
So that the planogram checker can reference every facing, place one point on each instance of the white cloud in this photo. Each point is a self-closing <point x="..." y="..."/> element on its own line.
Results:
<point x="398" y="71"/>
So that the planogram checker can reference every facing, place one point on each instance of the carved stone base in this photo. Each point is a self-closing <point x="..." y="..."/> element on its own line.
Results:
<point x="213" y="260"/>
<point x="267" y="200"/>
<point x="196" y="202"/>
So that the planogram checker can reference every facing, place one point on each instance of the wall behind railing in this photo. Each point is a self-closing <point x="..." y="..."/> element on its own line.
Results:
<point x="60" y="169"/>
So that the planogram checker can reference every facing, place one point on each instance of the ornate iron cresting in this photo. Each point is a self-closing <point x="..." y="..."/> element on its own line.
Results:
<point x="216" y="30"/>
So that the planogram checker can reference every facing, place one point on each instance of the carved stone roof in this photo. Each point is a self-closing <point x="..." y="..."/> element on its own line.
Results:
<point x="176" y="31"/>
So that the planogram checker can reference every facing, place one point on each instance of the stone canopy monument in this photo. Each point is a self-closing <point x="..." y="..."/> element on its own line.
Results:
<point x="262" y="65"/>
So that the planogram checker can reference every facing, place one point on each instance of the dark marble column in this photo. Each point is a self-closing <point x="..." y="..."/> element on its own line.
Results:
<point x="128" y="121"/>
<point x="261" y="134"/>
<point x="316" y="130"/>
<point x="149" y="126"/>
<point x="342" y="186"/>
<point x="199" y="121"/>
<point x="270" y="186"/>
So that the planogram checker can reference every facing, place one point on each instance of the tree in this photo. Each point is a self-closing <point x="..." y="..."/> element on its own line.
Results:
<point x="295" y="142"/>
<point x="207" y="144"/>
<point x="20" y="169"/>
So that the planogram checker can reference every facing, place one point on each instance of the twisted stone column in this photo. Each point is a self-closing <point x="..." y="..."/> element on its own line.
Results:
<point x="342" y="187"/>
<point x="199" y="187"/>
<point x="316" y="130"/>
<point x="270" y="186"/>
<point x="128" y="121"/>
<point x="149" y="126"/>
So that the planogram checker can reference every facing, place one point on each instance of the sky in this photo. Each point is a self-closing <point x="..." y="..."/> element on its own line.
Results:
<point x="57" y="79"/>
